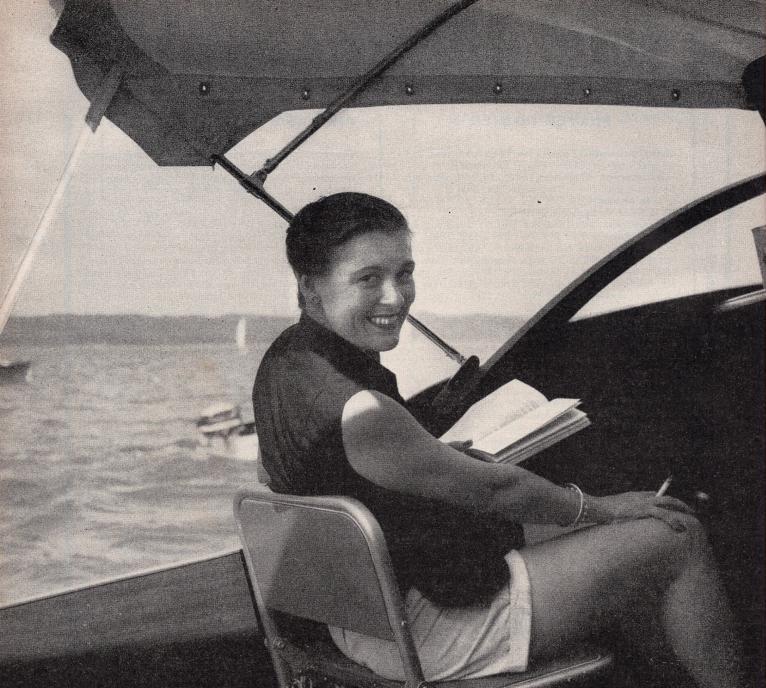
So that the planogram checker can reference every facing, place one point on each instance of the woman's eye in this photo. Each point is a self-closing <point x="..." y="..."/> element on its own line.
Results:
<point x="369" y="279"/>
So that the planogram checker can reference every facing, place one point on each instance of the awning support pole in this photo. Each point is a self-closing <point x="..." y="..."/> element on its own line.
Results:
<point x="254" y="188"/>
<point x="98" y="107"/>
<point x="454" y="354"/>
<point x="362" y="83"/>
<point x="254" y="183"/>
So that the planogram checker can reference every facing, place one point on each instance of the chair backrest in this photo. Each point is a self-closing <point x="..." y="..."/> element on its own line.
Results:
<point x="325" y="559"/>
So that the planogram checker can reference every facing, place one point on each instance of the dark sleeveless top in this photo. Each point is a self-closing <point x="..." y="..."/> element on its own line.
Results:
<point x="451" y="555"/>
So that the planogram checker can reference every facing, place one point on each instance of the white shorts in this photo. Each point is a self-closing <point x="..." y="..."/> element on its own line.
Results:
<point x="464" y="642"/>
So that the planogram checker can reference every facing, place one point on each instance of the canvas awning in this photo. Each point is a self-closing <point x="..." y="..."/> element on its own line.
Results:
<point x="196" y="78"/>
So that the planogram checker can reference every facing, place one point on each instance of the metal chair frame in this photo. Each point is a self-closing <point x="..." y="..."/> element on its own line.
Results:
<point x="291" y="570"/>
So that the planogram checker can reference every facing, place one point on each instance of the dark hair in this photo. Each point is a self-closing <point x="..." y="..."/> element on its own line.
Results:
<point x="321" y="226"/>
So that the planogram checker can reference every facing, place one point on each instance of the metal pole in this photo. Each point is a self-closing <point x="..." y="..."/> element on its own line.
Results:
<point x="254" y="188"/>
<point x="93" y="117"/>
<point x="454" y="354"/>
<point x="253" y="183"/>
<point x="362" y="83"/>
<point x="9" y="299"/>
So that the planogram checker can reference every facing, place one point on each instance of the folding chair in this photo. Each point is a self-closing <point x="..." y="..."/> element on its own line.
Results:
<point x="325" y="559"/>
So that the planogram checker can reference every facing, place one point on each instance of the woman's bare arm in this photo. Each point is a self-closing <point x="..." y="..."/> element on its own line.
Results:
<point x="388" y="447"/>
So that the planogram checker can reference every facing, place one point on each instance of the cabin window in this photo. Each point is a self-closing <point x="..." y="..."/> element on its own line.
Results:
<point x="717" y="254"/>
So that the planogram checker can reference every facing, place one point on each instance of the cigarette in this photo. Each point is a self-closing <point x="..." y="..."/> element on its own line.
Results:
<point x="664" y="487"/>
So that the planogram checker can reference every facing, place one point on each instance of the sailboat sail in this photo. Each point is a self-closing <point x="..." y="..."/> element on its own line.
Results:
<point x="241" y="334"/>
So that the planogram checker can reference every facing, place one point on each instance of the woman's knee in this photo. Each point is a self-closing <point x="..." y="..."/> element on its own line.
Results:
<point x="654" y="550"/>
<point x="690" y="546"/>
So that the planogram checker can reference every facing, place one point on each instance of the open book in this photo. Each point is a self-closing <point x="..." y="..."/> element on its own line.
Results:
<point x="516" y="421"/>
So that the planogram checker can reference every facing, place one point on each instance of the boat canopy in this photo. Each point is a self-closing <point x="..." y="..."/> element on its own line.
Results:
<point x="191" y="80"/>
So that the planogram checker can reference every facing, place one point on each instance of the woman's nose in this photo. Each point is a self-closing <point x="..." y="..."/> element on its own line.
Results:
<point x="391" y="293"/>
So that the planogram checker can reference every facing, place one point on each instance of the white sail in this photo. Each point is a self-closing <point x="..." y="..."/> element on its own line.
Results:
<point x="241" y="334"/>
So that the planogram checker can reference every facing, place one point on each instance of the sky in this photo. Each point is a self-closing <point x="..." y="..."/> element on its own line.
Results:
<point x="507" y="203"/>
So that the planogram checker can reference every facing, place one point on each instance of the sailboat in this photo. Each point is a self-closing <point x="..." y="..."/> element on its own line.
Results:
<point x="14" y="371"/>
<point x="222" y="430"/>
<point x="241" y="335"/>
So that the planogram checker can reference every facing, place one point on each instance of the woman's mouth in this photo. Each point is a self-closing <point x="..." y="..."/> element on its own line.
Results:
<point x="386" y="321"/>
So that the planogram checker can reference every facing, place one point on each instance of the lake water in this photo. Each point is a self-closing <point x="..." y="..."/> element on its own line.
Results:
<point x="100" y="472"/>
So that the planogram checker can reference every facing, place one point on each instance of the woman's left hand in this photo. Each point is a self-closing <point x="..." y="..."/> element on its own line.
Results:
<point x="627" y="506"/>
<point x="466" y="448"/>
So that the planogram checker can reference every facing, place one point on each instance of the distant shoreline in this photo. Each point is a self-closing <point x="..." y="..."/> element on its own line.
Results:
<point x="193" y="329"/>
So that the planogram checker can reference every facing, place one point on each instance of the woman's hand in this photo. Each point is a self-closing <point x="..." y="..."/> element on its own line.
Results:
<point x="466" y="448"/>
<point x="628" y="506"/>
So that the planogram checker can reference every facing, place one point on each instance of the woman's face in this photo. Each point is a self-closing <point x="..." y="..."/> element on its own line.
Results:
<point x="366" y="293"/>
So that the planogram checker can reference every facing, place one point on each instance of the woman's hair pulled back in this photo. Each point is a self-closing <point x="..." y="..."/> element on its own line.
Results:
<point x="319" y="227"/>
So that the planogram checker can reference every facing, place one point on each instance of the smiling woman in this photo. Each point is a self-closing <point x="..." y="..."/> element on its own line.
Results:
<point x="479" y="601"/>
<point x="352" y="280"/>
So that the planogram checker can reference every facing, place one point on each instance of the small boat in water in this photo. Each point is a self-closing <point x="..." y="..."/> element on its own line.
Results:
<point x="13" y="372"/>
<point x="241" y="335"/>
<point x="223" y="433"/>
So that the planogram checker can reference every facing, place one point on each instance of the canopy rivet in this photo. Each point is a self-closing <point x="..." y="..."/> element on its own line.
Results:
<point x="676" y="94"/>
<point x="204" y="87"/>
<point x="409" y="90"/>
<point x="305" y="94"/>
<point x="586" y="92"/>
<point x="498" y="88"/>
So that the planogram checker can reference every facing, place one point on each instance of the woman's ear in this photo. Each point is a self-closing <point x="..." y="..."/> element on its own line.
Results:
<point x="306" y="289"/>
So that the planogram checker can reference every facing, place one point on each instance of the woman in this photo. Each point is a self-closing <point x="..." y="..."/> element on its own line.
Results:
<point x="331" y="421"/>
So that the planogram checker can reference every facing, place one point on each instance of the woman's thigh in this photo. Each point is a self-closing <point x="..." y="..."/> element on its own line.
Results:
<point x="596" y="577"/>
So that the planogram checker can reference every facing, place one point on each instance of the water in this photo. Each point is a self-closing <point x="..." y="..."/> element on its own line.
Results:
<point x="100" y="472"/>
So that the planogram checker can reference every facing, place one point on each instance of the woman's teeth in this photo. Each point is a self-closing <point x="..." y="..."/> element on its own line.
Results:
<point x="384" y="320"/>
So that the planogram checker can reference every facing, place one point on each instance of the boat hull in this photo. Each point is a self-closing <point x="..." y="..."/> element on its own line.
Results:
<point x="193" y="624"/>
<point x="242" y="447"/>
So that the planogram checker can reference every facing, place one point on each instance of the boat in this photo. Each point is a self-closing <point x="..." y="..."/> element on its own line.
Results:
<point x="187" y="87"/>
<point x="13" y="371"/>
<point x="222" y="431"/>
<point x="241" y="335"/>
<point x="224" y="434"/>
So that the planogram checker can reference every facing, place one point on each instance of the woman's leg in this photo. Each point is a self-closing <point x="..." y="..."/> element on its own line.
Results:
<point x="591" y="578"/>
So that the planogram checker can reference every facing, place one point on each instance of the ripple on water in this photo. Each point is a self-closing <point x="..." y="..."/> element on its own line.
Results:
<point x="19" y="492"/>
<point x="100" y="469"/>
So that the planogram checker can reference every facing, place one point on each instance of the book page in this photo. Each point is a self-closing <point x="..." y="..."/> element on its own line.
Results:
<point x="571" y="422"/>
<point x="503" y="406"/>
<point x="529" y="424"/>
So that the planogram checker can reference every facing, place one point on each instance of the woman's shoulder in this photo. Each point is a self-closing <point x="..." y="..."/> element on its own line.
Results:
<point x="301" y="376"/>
<point x="287" y="353"/>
